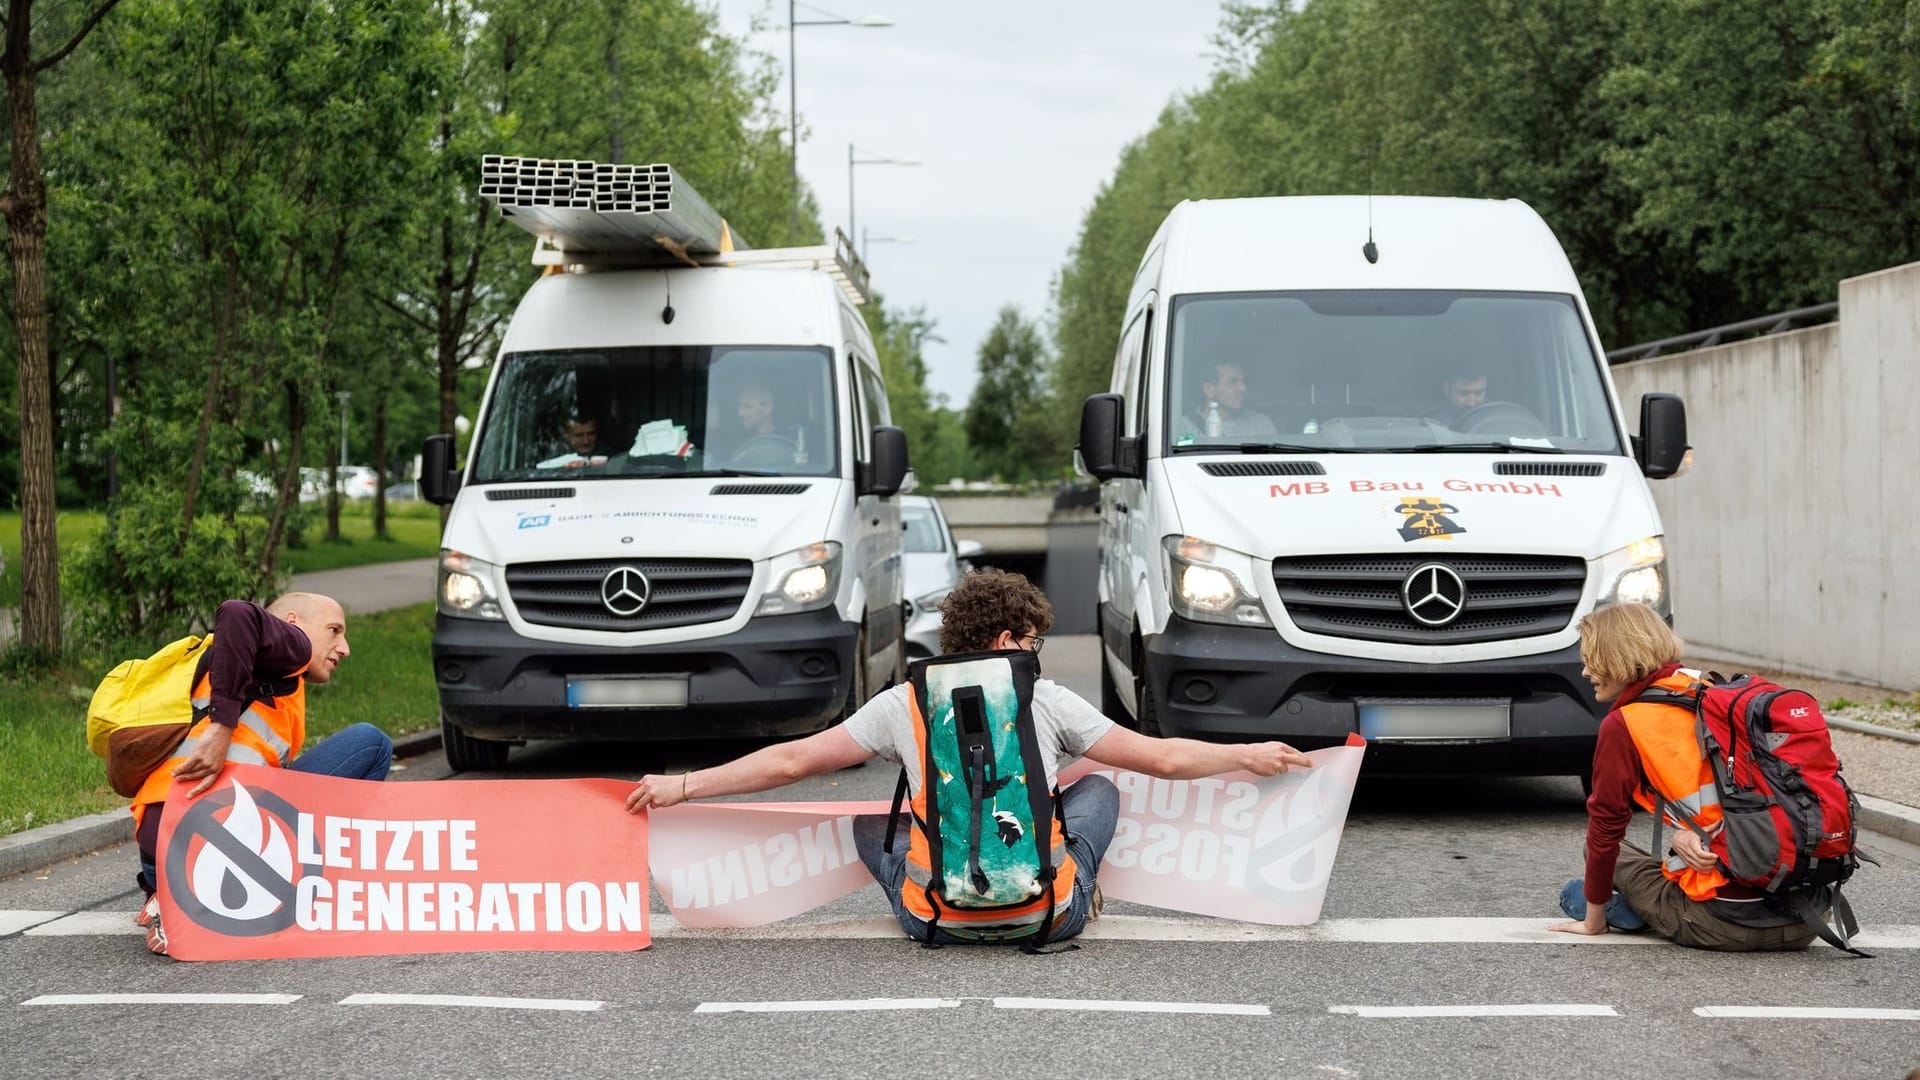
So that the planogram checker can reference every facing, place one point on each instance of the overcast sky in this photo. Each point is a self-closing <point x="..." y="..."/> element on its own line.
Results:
<point x="1016" y="112"/>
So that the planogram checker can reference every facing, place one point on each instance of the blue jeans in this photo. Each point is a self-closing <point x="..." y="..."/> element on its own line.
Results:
<point x="1573" y="902"/>
<point x="1090" y="807"/>
<point x="356" y="752"/>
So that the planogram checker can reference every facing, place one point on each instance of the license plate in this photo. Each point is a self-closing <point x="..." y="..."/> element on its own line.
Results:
<point x="627" y="693"/>
<point x="1451" y="720"/>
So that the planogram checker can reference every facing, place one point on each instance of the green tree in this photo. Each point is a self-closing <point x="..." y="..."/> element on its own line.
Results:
<point x="1778" y="144"/>
<point x="275" y="145"/>
<point x="1006" y="419"/>
<point x="24" y="206"/>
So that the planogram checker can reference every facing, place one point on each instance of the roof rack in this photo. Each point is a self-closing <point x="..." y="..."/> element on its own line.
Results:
<point x="590" y="215"/>
<point x="839" y="260"/>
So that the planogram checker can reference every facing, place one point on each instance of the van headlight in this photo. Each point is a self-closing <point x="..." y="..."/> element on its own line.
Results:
<point x="1636" y="574"/>
<point x="466" y="588"/>
<point x="1209" y="583"/>
<point x="804" y="579"/>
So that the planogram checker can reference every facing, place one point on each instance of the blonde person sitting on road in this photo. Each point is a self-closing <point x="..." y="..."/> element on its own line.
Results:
<point x="1625" y="648"/>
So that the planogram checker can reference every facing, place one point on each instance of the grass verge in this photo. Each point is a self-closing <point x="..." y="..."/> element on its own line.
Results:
<point x="413" y="531"/>
<point x="48" y="775"/>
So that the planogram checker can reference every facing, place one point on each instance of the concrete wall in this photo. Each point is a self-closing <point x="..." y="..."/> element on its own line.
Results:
<point x="1795" y="539"/>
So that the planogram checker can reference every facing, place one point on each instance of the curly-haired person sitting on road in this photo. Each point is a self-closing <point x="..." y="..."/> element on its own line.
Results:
<point x="990" y="610"/>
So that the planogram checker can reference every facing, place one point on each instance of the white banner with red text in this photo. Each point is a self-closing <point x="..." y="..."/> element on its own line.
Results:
<point x="1238" y="846"/>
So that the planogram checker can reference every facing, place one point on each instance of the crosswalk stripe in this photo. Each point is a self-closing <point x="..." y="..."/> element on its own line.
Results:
<point x="842" y="1005"/>
<point x="1787" y="1012"/>
<point x="1211" y="1008"/>
<point x="12" y="922"/>
<point x="467" y="1002"/>
<point x="1405" y="1011"/>
<point x="87" y="924"/>
<point x="163" y="999"/>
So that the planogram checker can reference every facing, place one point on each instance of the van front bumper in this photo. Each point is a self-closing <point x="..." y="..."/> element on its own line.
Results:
<point x="1231" y="684"/>
<point x="778" y="676"/>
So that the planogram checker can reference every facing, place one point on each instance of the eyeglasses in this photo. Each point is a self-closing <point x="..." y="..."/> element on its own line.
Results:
<point x="1037" y="640"/>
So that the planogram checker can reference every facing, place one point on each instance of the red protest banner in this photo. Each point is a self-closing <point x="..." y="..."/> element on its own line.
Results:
<point x="273" y="864"/>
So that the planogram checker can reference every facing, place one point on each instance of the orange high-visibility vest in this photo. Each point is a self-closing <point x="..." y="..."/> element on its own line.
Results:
<point x="1674" y="763"/>
<point x="1008" y="922"/>
<point x="270" y="733"/>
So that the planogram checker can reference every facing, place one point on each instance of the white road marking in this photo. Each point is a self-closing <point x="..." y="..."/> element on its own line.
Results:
<point x="1782" y="1012"/>
<point x="1469" y="931"/>
<point x="1094" y="1005"/>
<point x="163" y="999"/>
<point x="1435" y="931"/>
<point x="1392" y="1011"/>
<point x="12" y="922"/>
<point x="88" y="924"/>
<point x="466" y="1002"/>
<point x="846" y="1005"/>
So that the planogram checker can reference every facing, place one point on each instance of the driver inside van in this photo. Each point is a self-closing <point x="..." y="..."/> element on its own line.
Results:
<point x="582" y="431"/>
<point x="1222" y="412"/>
<point x="1465" y="389"/>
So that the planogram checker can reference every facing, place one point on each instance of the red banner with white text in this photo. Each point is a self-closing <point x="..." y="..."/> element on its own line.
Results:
<point x="272" y="863"/>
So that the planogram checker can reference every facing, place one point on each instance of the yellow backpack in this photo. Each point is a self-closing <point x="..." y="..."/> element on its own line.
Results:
<point x="152" y="692"/>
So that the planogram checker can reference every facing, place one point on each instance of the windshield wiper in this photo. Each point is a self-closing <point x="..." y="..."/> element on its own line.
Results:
<point x="716" y="472"/>
<point x="1471" y="448"/>
<point x="1264" y="448"/>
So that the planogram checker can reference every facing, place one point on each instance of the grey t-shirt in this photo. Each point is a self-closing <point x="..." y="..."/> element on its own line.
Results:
<point x="1066" y="727"/>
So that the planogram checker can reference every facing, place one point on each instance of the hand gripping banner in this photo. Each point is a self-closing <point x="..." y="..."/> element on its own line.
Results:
<point x="1239" y="846"/>
<point x="272" y="863"/>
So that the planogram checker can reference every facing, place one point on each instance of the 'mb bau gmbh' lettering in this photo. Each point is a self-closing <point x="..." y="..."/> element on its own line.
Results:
<point x="1476" y="487"/>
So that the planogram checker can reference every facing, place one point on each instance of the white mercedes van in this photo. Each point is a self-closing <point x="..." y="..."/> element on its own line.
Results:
<point x="677" y="518"/>
<point x="1363" y="470"/>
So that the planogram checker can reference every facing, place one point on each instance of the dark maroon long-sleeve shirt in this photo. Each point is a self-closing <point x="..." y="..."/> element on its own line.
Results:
<point x="251" y="647"/>
<point x="1616" y="775"/>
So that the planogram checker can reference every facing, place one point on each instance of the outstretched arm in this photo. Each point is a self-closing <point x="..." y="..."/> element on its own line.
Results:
<point x="771" y="767"/>
<point x="1189" y="759"/>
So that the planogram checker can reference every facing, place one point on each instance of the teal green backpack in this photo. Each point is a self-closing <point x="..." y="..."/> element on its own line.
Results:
<point x="988" y="841"/>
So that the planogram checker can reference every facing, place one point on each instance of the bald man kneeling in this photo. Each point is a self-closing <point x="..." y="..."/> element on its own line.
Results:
<point x="250" y="707"/>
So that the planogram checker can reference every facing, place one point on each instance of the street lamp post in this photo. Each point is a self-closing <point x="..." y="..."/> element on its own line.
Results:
<point x="853" y="159"/>
<point x="871" y="22"/>
<point x="343" y="395"/>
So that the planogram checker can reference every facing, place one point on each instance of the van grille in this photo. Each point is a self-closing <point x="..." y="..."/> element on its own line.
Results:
<point x="683" y="592"/>
<point x="1359" y="596"/>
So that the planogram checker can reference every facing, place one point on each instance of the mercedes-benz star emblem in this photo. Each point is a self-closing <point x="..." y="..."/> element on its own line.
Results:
<point x="625" y="590"/>
<point x="1434" y="594"/>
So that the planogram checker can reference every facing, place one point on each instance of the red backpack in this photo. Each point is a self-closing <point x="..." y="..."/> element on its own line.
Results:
<point x="1788" y="815"/>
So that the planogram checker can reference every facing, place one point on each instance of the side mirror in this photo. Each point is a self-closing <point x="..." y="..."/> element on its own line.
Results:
<point x="888" y="470"/>
<point x="1107" y="454"/>
<point x="439" y="480"/>
<point x="1661" y="447"/>
<point x="969" y="549"/>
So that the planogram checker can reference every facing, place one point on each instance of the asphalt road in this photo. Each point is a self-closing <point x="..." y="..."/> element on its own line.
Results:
<point x="1415" y="852"/>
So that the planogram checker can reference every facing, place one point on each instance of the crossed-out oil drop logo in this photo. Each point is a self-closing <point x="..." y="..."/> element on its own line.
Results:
<point x="230" y="863"/>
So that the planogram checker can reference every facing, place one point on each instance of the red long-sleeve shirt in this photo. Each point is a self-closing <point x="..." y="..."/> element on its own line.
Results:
<point x="1616" y="776"/>
<point x="251" y="647"/>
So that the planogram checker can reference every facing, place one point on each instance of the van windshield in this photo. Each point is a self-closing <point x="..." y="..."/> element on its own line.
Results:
<point x="659" y="411"/>
<point x="1384" y="372"/>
